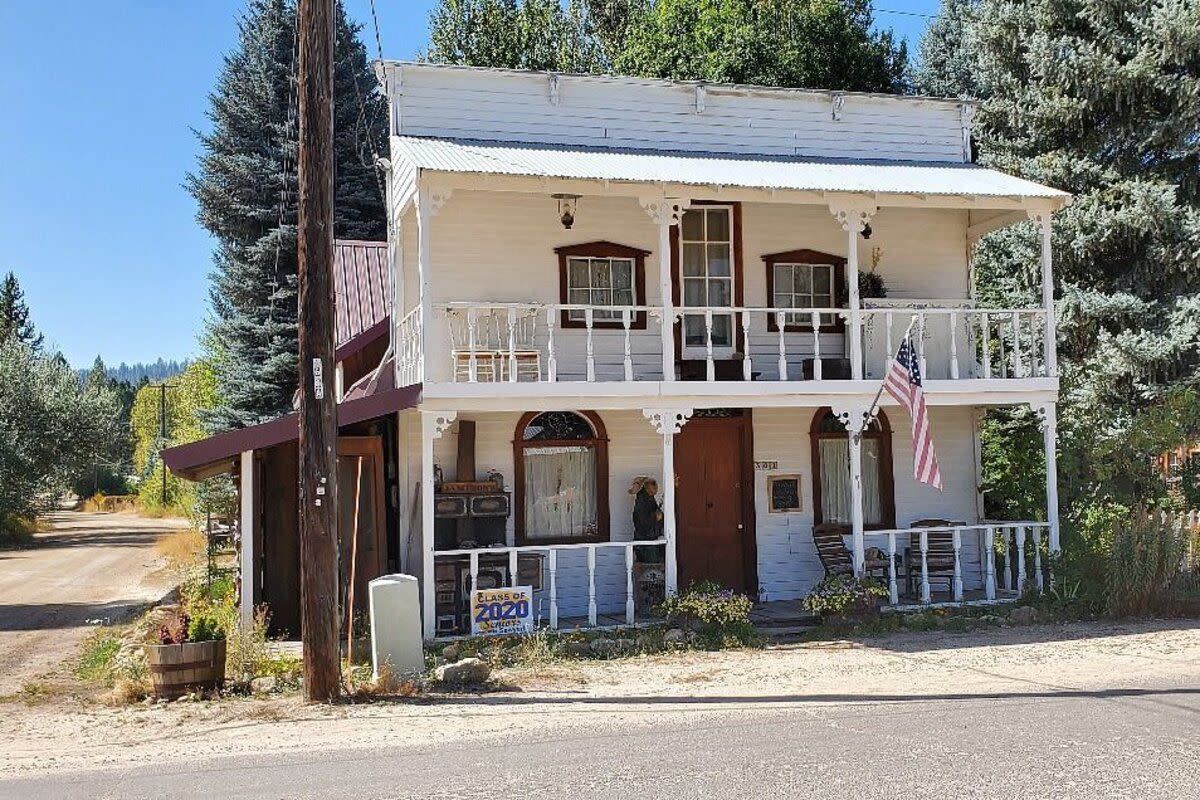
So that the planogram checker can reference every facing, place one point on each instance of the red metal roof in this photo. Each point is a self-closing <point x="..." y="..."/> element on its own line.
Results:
<point x="362" y="287"/>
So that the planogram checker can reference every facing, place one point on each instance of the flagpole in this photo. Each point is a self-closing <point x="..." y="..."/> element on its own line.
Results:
<point x="879" y="391"/>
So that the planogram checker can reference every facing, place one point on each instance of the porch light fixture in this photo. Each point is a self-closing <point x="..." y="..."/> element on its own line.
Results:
<point x="866" y="231"/>
<point x="566" y="208"/>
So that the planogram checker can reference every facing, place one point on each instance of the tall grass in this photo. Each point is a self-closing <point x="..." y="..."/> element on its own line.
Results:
<point x="1144" y="563"/>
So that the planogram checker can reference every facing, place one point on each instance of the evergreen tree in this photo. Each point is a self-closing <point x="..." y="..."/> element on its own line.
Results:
<point x="514" y="34"/>
<point x="246" y="189"/>
<point x="14" y="315"/>
<point x="947" y="67"/>
<point x="1099" y="99"/>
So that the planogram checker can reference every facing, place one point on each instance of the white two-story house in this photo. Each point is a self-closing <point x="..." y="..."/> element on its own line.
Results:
<point x="597" y="280"/>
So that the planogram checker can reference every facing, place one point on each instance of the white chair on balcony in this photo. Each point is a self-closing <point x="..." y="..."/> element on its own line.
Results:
<point x="493" y="347"/>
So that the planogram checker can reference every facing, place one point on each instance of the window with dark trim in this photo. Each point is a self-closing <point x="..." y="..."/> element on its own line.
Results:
<point x="560" y="466"/>
<point x="805" y="279"/>
<point x="831" y="472"/>
<point x="602" y="274"/>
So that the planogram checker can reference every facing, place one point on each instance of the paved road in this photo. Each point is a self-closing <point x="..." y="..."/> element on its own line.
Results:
<point x="86" y="567"/>
<point x="1128" y="743"/>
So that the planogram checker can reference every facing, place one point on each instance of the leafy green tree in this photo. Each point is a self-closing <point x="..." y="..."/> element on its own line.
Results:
<point x="1100" y="99"/>
<point x="515" y="34"/>
<point x="245" y="186"/>
<point x="109" y="463"/>
<point x="826" y="44"/>
<point x="14" y="314"/>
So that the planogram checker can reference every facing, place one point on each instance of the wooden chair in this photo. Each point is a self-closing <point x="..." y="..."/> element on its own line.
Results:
<point x="831" y="549"/>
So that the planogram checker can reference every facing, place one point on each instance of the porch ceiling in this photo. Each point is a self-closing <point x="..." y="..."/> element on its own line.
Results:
<point x="879" y="177"/>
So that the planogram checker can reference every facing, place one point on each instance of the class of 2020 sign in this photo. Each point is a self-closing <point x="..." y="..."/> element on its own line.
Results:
<point x="507" y="610"/>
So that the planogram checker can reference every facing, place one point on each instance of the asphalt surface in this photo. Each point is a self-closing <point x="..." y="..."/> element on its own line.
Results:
<point x="1138" y="742"/>
<point x="87" y="569"/>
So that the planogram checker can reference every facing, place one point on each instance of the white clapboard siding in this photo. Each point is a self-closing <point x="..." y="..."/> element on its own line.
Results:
<point x="504" y="106"/>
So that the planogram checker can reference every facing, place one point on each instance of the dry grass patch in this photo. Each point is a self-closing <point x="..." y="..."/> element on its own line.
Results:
<point x="182" y="549"/>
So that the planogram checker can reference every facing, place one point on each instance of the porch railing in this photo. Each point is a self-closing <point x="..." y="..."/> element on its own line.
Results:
<point x="551" y="586"/>
<point x="410" y="362"/>
<point x="955" y="343"/>
<point x="1024" y="545"/>
<point x="484" y="342"/>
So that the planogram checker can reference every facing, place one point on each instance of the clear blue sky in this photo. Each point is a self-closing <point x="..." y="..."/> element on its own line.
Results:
<point x="99" y="101"/>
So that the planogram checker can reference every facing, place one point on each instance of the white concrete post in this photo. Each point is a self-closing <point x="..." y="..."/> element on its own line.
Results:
<point x="668" y="422"/>
<point x="433" y="425"/>
<point x="1043" y="221"/>
<point x="1048" y="416"/>
<point x="665" y="211"/>
<point x="853" y="219"/>
<point x="246" y="532"/>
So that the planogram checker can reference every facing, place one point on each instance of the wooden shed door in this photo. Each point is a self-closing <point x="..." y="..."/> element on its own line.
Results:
<point x="362" y="534"/>
<point x="715" y="532"/>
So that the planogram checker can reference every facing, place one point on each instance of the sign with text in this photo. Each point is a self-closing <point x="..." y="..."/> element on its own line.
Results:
<point x="507" y="610"/>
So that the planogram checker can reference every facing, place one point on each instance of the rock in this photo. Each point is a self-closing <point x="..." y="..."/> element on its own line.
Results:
<point x="468" y="671"/>
<point x="1023" y="615"/>
<point x="675" y="636"/>
<point x="602" y="647"/>
<point x="264" y="684"/>
<point x="451" y="653"/>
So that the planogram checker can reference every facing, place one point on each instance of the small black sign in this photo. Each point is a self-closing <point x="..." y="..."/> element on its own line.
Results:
<point x="784" y="491"/>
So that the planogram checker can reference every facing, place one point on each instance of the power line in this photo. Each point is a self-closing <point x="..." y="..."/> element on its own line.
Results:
<point x="897" y="13"/>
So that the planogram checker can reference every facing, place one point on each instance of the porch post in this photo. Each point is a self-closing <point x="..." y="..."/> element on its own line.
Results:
<point x="433" y="425"/>
<point x="246" y="532"/>
<point x="429" y="201"/>
<point x="855" y="419"/>
<point x="668" y="422"/>
<point x="853" y="218"/>
<point x="666" y="212"/>
<point x="1048" y="417"/>
<point x="1043" y="221"/>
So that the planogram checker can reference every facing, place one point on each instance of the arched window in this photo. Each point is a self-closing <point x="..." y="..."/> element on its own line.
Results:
<point x="831" y="472"/>
<point x="560" y="460"/>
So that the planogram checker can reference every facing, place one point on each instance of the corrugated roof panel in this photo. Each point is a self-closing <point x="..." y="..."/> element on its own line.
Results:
<point x="361" y="286"/>
<point x="882" y="177"/>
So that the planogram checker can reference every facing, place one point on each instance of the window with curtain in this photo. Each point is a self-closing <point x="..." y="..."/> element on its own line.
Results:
<point x="561" y="462"/>
<point x="831" y="471"/>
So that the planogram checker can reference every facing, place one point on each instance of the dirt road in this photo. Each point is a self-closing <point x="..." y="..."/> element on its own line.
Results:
<point x="86" y="568"/>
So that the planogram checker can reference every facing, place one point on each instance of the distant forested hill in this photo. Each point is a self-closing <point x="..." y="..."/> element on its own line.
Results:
<point x="133" y="373"/>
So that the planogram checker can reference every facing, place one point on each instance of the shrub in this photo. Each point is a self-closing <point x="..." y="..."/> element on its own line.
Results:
<point x="719" y="617"/>
<point x="844" y="595"/>
<point x="1144" y="564"/>
<point x="206" y="625"/>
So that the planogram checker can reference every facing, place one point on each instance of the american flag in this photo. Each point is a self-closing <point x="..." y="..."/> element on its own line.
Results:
<point x="903" y="382"/>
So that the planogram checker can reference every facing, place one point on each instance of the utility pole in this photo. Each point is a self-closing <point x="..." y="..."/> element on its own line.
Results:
<point x="319" y="616"/>
<point x="162" y="433"/>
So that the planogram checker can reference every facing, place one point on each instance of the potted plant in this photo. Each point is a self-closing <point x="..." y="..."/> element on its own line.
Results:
<point x="189" y="656"/>
<point x="844" y="599"/>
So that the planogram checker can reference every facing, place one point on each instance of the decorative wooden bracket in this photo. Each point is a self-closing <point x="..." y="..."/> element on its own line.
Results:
<point x="667" y="420"/>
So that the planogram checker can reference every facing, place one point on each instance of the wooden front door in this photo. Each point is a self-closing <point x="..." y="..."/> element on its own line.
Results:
<point x="714" y="502"/>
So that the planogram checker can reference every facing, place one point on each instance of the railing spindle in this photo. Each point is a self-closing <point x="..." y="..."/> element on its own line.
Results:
<point x="513" y="567"/>
<point x="591" y="564"/>
<point x="957" y="585"/>
<point x="893" y="590"/>
<point x="627" y="322"/>
<point x="552" y="558"/>
<point x="888" y="322"/>
<point x="629" y="585"/>
<point x="986" y="344"/>
<point x="780" y="324"/>
<point x="551" y="362"/>
<point x="512" y="344"/>
<point x="1018" y="366"/>
<point x="710" y="364"/>
<point x="747" y="366"/>
<point x="1021" y="577"/>
<point x="591" y="359"/>
<point x="925" y="594"/>
<point x="921" y="344"/>
<point x="818" y="372"/>
<point x="1007" y="578"/>
<point x="474" y="567"/>
<point x="472" y="359"/>
<point x="954" y="345"/>
<point x="1037" y="558"/>
<point x="988" y="555"/>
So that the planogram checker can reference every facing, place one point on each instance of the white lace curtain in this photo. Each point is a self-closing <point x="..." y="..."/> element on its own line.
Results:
<point x="835" y="481"/>
<point x="560" y="492"/>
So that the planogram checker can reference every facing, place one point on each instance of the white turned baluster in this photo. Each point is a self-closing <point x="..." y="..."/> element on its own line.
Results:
<point x="591" y="563"/>
<point x="747" y="366"/>
<point x="629" y="585"/>
<point x="893" y="590"/>
<point x="954" y="345"/>
<point x="1037" y="558"/>
<point x="472" y="361"/>
<point x="551" y="362"/>
<point x="818" y="372"/>
<point x="591" y="358"/>
<point x="986" y="345"/>
<point x="1001" y="355"/>
<point x="1018" y="366"/>
<point x="780" y="324"/>
<point x="1021" y="578"/>
<point x="512" y="567"/>
<point x="988" y="554"/>
<point x="512" y="344"/>
<point x="925" y="595"/>
<point x="710" y="364"/>
<point x="888" y="323"/>
<point x="920" y="328"/>
<point x="957" y="586"/>
<point x="474" y="567"/>
<point x="627" y="322"/>
<point x="553" y="564"/>
<point x="1007" y="579"/>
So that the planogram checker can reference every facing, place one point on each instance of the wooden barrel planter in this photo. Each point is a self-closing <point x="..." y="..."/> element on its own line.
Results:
<point x="177" y="669"/>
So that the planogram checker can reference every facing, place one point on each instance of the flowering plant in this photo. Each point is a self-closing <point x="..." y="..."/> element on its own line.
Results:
<point x="844" y="594"/>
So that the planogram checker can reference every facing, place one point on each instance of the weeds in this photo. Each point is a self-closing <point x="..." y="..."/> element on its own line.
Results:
<point x="97" y="659"/>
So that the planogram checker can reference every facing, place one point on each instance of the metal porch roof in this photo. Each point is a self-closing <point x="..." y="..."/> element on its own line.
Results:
<point x="703" y="169"/>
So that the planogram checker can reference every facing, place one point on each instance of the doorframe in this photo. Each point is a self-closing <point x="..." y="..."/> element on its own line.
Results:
<point x="745" y="420"/>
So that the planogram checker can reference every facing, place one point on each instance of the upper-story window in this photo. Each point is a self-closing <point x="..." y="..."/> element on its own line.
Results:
<point x="804" y="279"/>
<point x="706" y="242"/>
<point x="611" y="278"/>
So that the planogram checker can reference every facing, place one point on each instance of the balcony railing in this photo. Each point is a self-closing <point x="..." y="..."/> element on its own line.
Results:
<point x="481" y="342"/>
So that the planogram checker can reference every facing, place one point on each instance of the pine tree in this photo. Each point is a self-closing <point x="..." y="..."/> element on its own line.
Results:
<point x="947" y="67"/>
<point x="246" y="189"/>
<point x="14" y="315"/>
<point x="1099" y="99"/>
